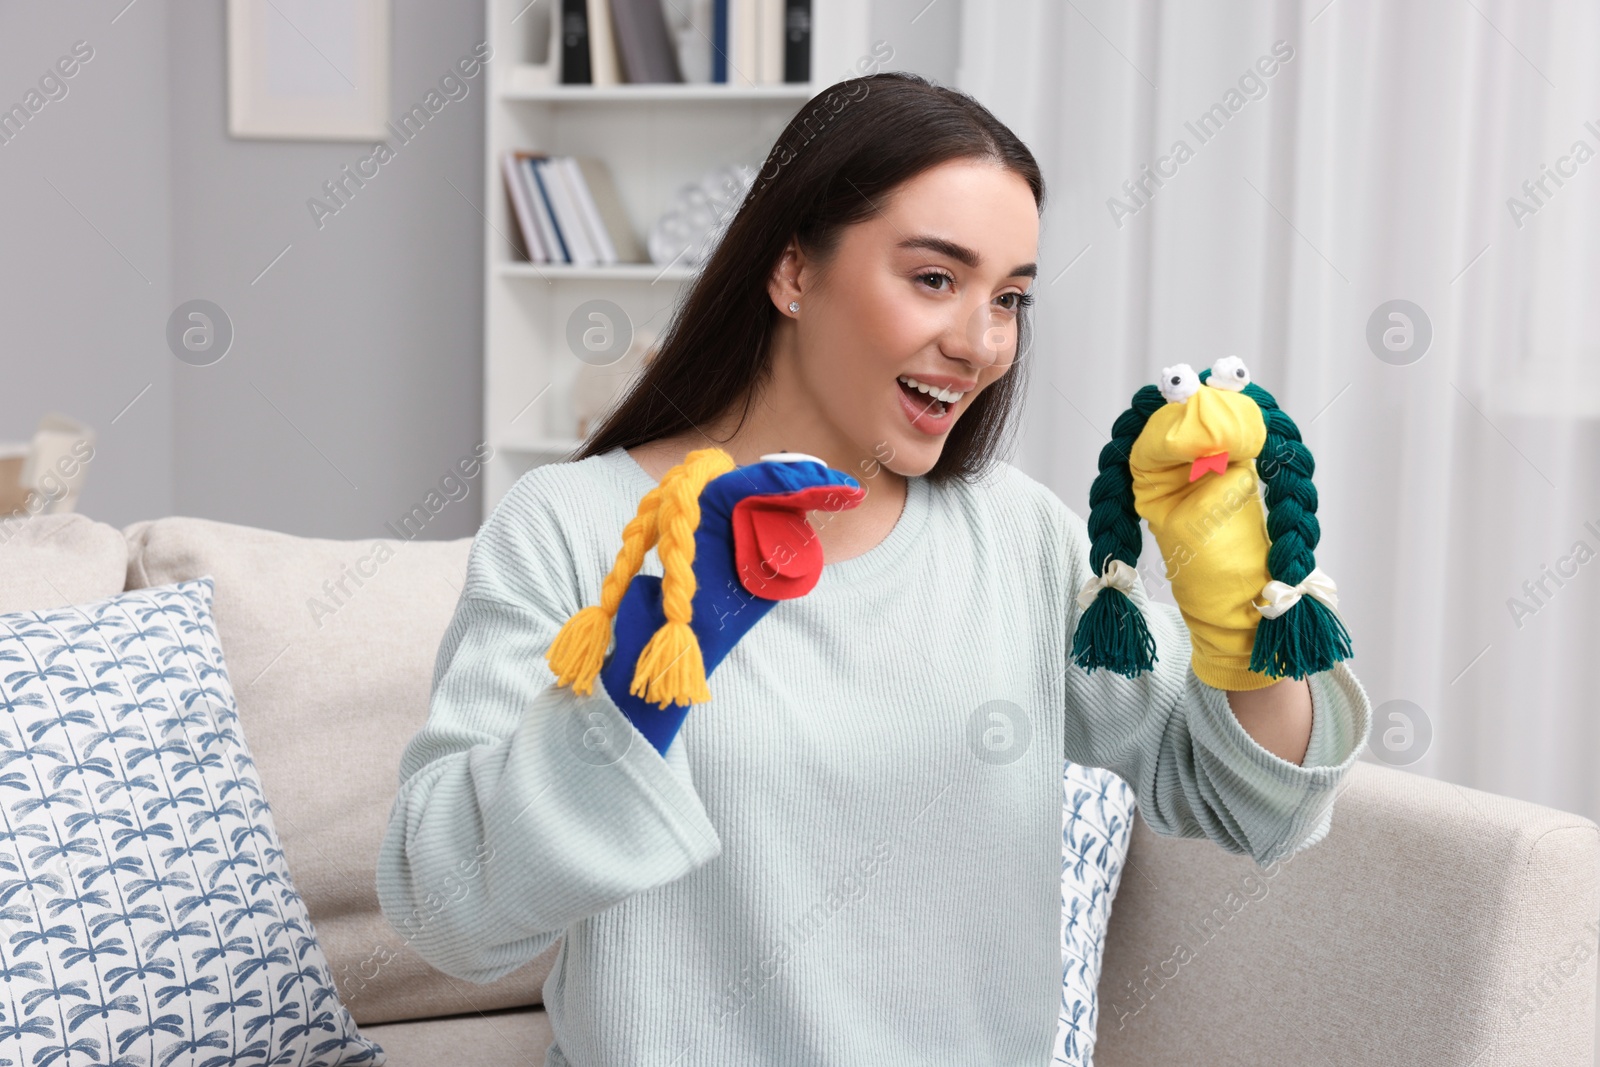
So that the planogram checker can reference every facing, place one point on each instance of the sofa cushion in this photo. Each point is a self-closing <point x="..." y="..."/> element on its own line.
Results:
<point x="1434" y="924"/>
<point x="50" y="561"/>
<point x="146" y="908"/>
<point x="331" y="646"/>
<point x="1097" y="816"/>
<point x="522" y="1035"/>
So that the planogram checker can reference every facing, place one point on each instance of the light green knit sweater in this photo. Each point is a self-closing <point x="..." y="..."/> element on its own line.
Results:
<point x="829" y="866"/>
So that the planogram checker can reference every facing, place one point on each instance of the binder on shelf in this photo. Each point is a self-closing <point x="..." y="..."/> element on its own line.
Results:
<point x="797" y="41"/>
<point x="575" y="42"/>
<point x="643" y="42"/>
<point x="719" y="40"/>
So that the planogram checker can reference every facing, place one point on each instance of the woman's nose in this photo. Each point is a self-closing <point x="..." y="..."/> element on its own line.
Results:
<point x="987" y="337"/>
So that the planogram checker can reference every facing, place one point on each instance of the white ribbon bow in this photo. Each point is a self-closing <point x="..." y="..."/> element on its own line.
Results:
<point x="1118" y="575"/>
<point x="1281" y="596"/>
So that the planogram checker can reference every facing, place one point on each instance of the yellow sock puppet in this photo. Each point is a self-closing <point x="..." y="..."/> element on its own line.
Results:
<point x="1186" y="456"/>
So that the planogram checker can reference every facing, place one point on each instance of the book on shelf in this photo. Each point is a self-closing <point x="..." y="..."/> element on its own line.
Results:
<point x="552" y="181"/>
<point x="544" y="203"/>
<point x="643" y="42"/>
<point x="734" y="42"/>
<point x="604" y="67"/>
<point x="589" y="208"/>
<point x="530" y="248"/>
<point x="568" y="210"/>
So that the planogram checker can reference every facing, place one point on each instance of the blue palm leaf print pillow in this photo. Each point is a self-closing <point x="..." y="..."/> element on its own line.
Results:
<point x="147" y="916"/>
<point x="1096" y="831"/>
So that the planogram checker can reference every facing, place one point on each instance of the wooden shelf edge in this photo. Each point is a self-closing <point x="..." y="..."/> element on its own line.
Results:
<point x="665" y="93"/>
<point x="620" y="272"/>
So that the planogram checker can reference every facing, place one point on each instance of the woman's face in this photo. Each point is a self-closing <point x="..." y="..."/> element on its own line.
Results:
<point x="927" y="289"/>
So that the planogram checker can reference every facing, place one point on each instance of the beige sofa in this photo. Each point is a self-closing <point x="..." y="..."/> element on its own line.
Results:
<point x="1434" y="925"/>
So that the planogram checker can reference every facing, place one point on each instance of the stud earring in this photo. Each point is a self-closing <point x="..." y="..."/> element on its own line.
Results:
<point x="794" y="305"/>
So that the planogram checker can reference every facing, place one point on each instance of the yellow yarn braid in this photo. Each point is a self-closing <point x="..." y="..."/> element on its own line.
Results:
<point x="670" y="669"/>
<point x="579" y="649"/>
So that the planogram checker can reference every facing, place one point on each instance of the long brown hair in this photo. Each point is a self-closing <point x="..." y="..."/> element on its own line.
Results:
<point x="841" y="154"/>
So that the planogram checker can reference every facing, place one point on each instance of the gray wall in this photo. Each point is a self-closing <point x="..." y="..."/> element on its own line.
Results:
<point x="85" y="259"/>
<point x="925" y="35"/>
<point x="354" y="381"/>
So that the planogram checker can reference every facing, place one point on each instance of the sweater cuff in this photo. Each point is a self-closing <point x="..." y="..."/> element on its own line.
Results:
<point x="1341" y="719"/>
<point x="1330" y="742"/>
<point x="664" y="778"/>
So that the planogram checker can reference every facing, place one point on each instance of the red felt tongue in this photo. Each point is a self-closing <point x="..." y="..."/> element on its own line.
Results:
<point x="1217" y="463"/>
<point x="784" y="539"/>
<point x="776" y="552"/>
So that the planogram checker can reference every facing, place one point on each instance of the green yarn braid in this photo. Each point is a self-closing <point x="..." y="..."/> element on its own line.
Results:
<point x="1309" y="637"/>
<point x="1111" y="633"/>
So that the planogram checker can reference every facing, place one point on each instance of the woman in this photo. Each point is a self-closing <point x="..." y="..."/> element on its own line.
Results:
<point x="827" y="866"/>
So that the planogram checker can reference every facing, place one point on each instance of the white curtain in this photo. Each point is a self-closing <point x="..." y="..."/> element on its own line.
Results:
<point x="1377" y="162"/>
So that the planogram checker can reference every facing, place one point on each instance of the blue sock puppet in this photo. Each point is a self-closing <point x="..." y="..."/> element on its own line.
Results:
<point x="733" y="541"/>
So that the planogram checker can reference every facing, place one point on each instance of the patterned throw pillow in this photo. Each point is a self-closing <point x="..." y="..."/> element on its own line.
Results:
<point x="146" y="911"/>
<point x="1096" y="830"/>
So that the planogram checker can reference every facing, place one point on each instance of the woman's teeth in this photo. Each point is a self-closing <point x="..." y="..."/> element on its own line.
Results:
<point x="946" y="395"/>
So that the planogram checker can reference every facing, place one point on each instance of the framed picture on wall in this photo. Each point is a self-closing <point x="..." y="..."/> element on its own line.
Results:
<point x="308" y="69"/>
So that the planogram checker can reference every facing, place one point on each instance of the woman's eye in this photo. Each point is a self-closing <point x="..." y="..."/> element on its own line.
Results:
<point x="932" y="278"/>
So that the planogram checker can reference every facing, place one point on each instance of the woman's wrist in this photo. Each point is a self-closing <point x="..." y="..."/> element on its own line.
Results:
<point x="1277" y="717"/>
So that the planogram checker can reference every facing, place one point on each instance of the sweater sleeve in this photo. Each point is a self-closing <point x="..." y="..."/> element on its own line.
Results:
<point x="523" y="807"/>
<point x="1175" y="739"/>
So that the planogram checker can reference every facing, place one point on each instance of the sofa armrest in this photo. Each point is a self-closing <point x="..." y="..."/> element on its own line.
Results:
<point x="1435" y="924"/>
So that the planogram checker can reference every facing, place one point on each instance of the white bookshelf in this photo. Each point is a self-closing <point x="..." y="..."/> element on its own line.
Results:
<point x="654" y="139"/>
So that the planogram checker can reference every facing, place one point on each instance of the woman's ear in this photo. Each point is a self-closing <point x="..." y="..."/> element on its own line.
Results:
<point x="784" y="287"/>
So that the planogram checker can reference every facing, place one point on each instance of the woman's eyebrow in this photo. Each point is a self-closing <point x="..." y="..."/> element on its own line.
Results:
<point x="962" y="253"/>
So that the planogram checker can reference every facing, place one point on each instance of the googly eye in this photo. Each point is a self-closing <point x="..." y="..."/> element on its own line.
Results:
<point x="790" y="457"/>
<point x="1229" y="372"/>
<point x="1178" y="383"/>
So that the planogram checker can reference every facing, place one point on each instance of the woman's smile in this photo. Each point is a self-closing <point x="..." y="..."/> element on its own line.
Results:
<point x="925" y="410"/>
